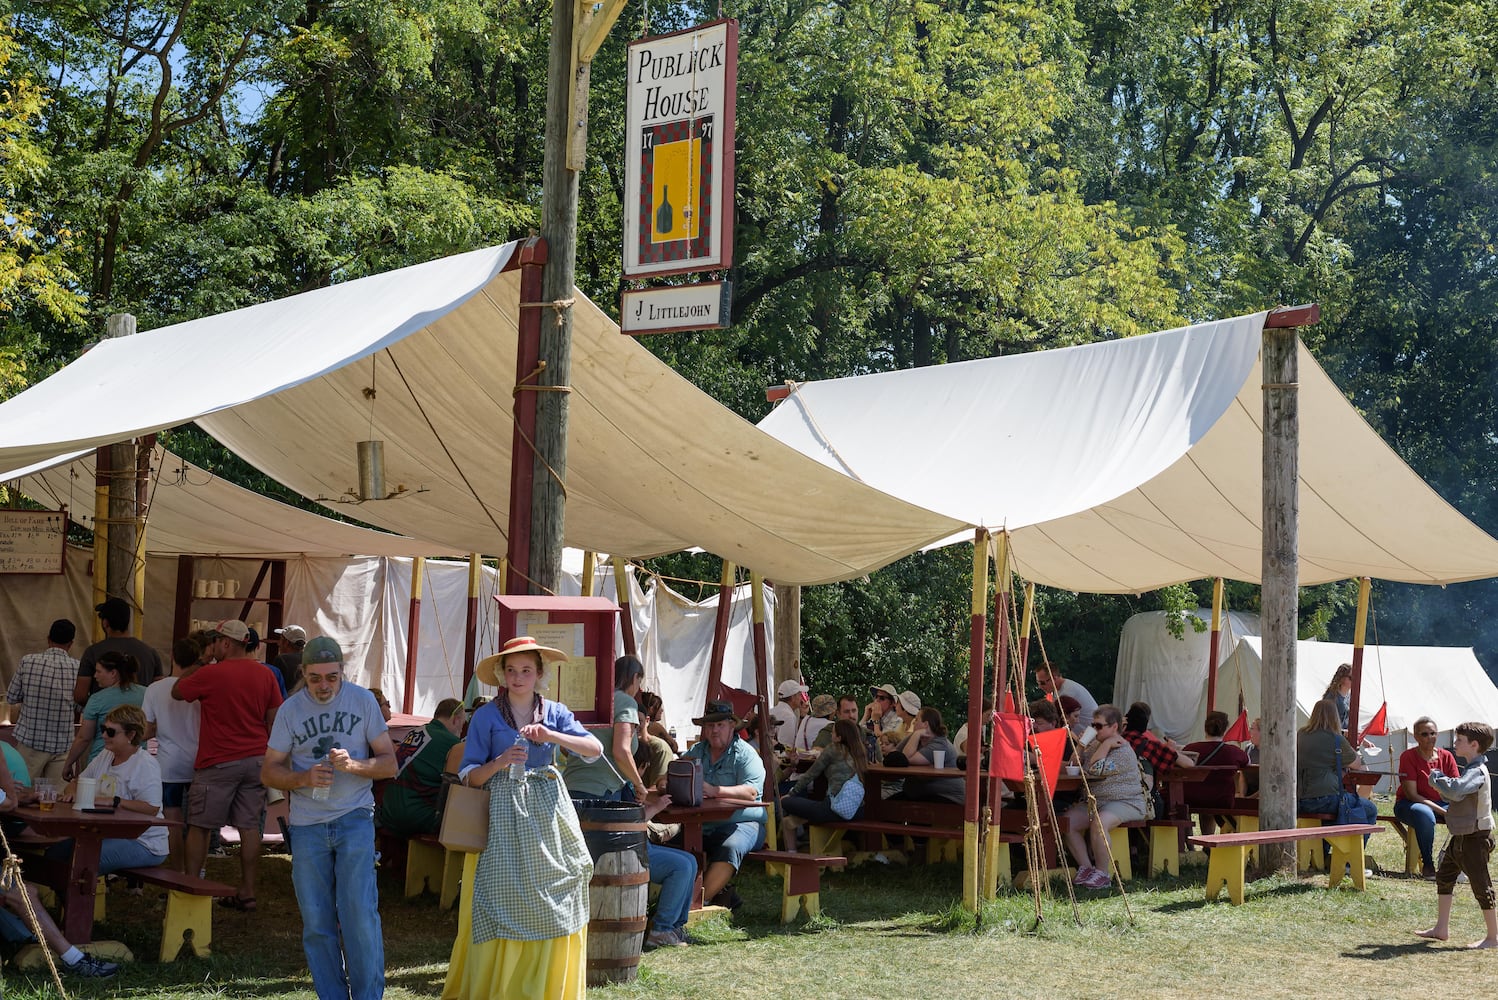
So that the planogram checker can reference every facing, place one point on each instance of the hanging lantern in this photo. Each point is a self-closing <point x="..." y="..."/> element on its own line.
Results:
<point x="371" y="470"/>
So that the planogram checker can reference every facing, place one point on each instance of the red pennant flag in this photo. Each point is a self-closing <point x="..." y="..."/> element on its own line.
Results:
<point x="1378" y="725"/>
<point x="1009" y="703"/>
<point x="1007" y="756"/>
<point x="1238" y="731"/>
<point x="1052" y="745"/>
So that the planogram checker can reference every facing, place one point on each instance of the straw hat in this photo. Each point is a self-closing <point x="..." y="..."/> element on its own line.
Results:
<point x="488" y="669"/>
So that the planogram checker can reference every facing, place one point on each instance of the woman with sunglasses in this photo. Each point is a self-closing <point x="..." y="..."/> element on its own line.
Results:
<point x="1114" y="778"/>
<point x="129" y="781"/>
<point x="1418" y="804"/>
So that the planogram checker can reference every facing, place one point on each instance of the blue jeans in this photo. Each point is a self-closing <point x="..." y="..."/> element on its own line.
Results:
<point x="1422" y="819"/>
<point x="1366" y="811"/>
<point x="731" y="841"/>
<point x="117" y="854"/>
<point x="333" y="872"/>
<point x="675" y="872"/>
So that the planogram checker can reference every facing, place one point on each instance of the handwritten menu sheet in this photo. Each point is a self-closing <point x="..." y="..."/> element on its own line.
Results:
<point x="32" y="541"/>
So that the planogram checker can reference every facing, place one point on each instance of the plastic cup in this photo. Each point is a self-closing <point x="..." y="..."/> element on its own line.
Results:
<point x="938" y="758"/>
<point x="88" y="788"/>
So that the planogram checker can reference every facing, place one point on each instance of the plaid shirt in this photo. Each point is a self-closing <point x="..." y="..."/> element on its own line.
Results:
<point x="43" y="687"/>
<point x="1159" y="756"/>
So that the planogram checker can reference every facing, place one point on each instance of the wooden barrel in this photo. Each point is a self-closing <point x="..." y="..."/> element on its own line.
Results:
<point x="619" y="891"/>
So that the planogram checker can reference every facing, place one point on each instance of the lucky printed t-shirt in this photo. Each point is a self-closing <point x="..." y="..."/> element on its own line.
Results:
<point x="309" y="730"/>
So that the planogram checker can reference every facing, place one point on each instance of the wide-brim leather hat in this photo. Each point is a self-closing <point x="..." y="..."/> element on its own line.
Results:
<point x="488" y="669"/>
<point x="716" y="711"/>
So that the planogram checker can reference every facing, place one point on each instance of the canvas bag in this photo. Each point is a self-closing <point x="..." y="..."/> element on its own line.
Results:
<point x="465" y="820"/>
<point x="684" y="781"/>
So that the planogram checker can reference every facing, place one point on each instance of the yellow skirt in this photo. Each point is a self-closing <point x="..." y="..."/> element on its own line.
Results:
<point x="554" y="969"/>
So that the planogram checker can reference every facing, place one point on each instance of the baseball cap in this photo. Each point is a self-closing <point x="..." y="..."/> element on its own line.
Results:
<point x="323" y="649"/>
<point x="292" y="633"/>
<point x="790" y="687"/>
<point x="232" y="628"/>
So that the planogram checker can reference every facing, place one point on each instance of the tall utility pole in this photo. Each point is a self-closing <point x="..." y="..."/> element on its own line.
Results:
<point x="1280" y="574"/>
<point x="577" y="30"/>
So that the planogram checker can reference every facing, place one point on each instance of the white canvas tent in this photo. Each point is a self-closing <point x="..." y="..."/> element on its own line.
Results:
<point x="1171" y="673"/>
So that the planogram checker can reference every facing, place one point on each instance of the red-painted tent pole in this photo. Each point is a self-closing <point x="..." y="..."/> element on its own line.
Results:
<point x="1213" y="645"/>
<point x="1359" y="634"/>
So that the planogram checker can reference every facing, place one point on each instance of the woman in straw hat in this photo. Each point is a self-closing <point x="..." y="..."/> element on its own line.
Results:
<point x="522" y="922"/>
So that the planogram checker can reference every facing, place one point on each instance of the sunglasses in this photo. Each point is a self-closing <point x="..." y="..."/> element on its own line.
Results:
<point x="1101" y="725"/>
<point x="112" y="731"/>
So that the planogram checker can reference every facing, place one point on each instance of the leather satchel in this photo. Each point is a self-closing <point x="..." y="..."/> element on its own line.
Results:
<point x="684" y="781"/>
<point x="465" y="820"/>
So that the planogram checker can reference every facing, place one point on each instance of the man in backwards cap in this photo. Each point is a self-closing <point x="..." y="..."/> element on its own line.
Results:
<point x="328" y="746"/>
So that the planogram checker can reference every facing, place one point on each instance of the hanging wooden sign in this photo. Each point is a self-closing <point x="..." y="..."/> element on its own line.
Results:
<point x="680" y="98"/>
<point x="700" y="306"/>
<point x="33" y="541"/>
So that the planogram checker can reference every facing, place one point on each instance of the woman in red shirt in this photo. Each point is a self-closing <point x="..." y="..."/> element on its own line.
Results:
<point x="1417" y="804"/>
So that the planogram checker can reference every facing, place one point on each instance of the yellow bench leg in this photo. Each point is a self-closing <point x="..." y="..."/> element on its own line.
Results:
<point x="1165" y="850"/>
<point x="189" y="922"/>
<point x="452" y="879"/>
<point x="1248" y="824"/>
<point x="1003" y="864"/>
<point x="825" y="839"/>
<point x="1411" y="852"/>
<point x="1118" y="844"/>
<point x="100" y="892"/>
<point x="1307" y="852"/>
<point x="1347" y="852"/>
<point x="1225" y="867"/>
<point x="424" y="866"/>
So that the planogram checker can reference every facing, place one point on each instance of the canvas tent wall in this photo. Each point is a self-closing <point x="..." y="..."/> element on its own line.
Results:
<point x="1171" y="673"/>
<point x="362" y="601"/>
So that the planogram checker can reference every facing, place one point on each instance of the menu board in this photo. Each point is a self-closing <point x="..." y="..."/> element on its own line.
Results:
<point x="32" y="541"/>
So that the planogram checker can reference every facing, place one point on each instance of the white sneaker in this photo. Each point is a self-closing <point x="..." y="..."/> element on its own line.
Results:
<point x="1462" y="878"/>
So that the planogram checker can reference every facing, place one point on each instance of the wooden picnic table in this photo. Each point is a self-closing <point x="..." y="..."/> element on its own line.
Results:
<point x="693" y="819"/>
<point x="88" y="832"/>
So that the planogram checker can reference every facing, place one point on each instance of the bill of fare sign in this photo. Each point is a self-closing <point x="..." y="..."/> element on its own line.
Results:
<point x="679" y="170"/>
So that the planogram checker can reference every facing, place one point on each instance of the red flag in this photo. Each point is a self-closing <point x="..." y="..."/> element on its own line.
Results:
<point x="1009" y="703"/>
<point x="1006" y="758"/>
<point x="1238" y="731"/>
<point x="1378" y="725"/>
<point x="1052" y="745"/>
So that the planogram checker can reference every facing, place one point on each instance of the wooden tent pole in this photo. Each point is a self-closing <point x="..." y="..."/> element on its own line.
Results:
<point x="1280" y="574"/>
<point x="626" y="613"/>
<point x="762" y="695"/>
<point x="471" y="622"/>
<point x="413" y="634"/>
<point x="971" y="842"/>
<point x="102" y="475"/>
<point x="1359" y="634"/>
<point x="720" y="631"/>
<point x="1001" y="671"/>
<point x="590" y="561"/>
<point x="1026" y="623"/>
<point x="1212" y="646"/>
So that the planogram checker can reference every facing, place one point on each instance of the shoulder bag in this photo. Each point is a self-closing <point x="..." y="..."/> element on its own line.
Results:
<point x="684" y="781"/>
<point x="465" y="820"/>
<point x="849" y="798"/>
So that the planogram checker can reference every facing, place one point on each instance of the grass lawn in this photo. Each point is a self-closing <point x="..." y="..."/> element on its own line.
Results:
<point x="895" y="932"/>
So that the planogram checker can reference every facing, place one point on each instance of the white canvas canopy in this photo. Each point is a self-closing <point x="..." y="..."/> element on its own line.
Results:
<point x="1171" y="673"/>
<point x="1446" y="683"/>
<point x="1125" y="466"/>
<point x="654" y="465"/>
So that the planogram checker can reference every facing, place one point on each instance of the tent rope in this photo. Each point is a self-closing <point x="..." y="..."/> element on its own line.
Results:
<point x="12" y="878"/>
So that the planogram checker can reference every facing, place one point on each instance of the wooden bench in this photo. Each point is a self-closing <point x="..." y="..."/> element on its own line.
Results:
<point x="1228" y="858"/>
<point x="1412" y="859"/>
<point x="801" y="876"/>
<point x="1164" y="838"/>
<point x="188" y="924"/>
<point x="432" y="867"/>
<point x="825" y="837"/>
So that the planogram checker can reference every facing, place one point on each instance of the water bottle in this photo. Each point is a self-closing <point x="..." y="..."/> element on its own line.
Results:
<point x="320" y="792"/>
<point x="517" y="769"/>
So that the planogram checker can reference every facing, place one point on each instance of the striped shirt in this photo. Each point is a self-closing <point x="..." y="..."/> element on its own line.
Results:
<point x="43" y="687"/>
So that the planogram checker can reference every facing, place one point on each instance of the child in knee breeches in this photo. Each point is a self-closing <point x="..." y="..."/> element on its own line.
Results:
<point x="1469" y="817"/>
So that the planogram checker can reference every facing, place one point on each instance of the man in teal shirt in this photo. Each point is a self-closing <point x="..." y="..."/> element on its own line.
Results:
<point x="731" y="769"/>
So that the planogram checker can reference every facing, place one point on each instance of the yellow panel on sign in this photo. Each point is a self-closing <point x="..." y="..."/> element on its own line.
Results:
<point x="576" y="683"/>
<point x="675" y="193"/>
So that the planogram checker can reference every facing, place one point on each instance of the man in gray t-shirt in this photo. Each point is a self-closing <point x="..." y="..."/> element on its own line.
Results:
<point x="327" y="747"/>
